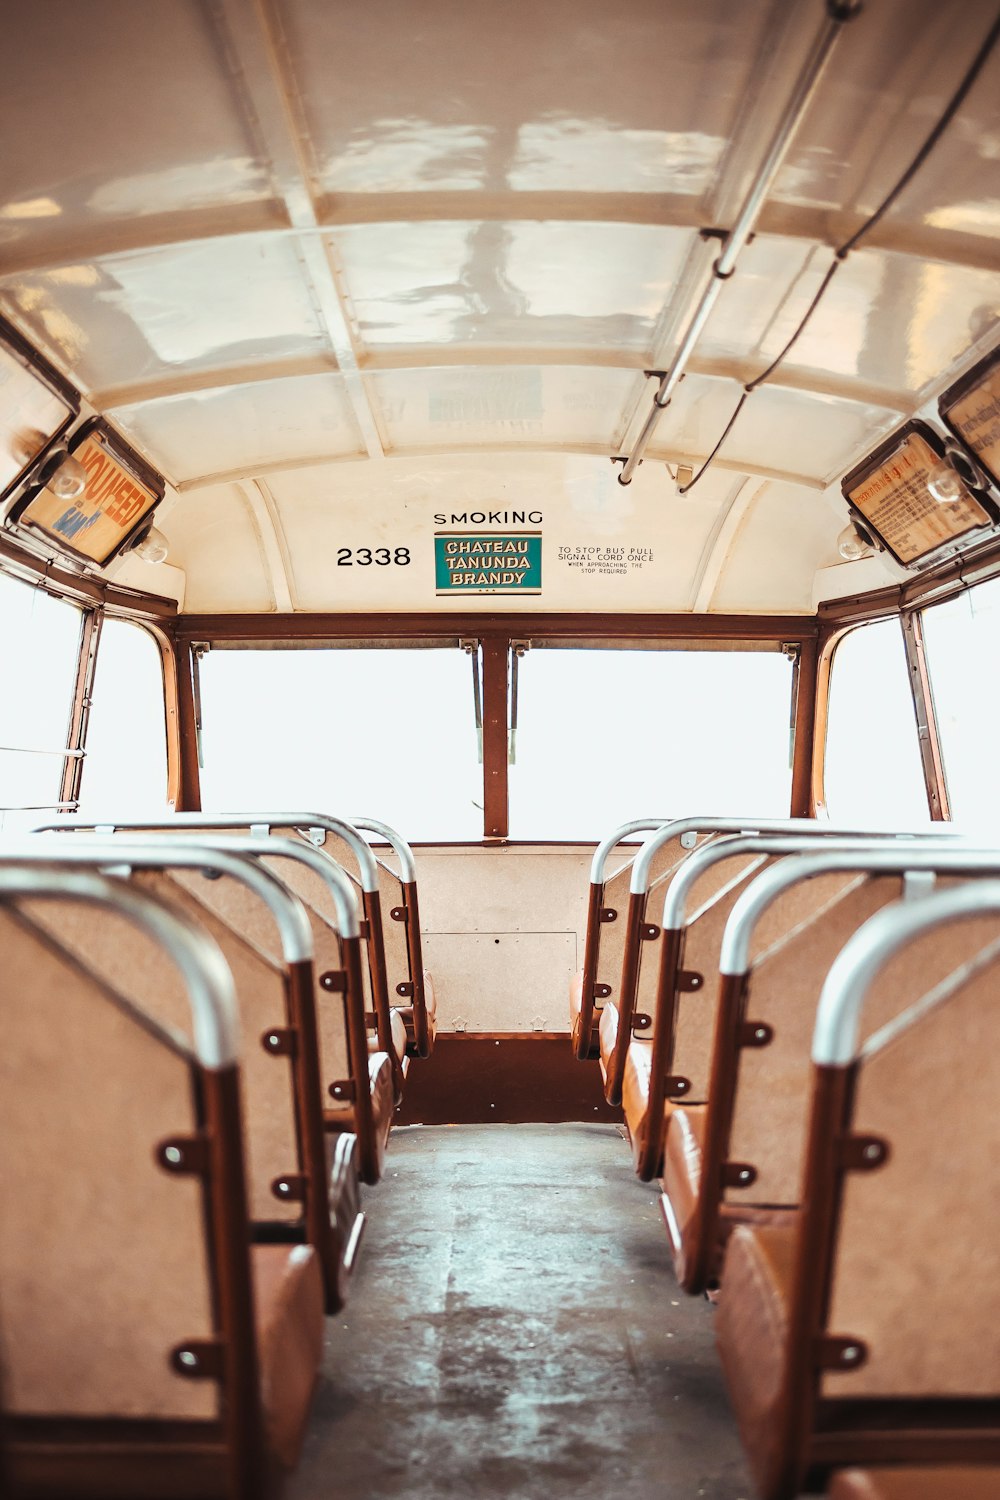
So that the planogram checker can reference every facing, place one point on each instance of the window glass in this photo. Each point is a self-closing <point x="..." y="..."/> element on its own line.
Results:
<point x="962" y="639"/>
<point x="386" y="733"/>
<point x="606" y="736"/>
<point x="38" y="668"/>
<point x="125" y="770"/>
<point x="873" y="772"/>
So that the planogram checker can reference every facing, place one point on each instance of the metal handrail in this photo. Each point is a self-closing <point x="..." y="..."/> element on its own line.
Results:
<point x="209" y="984"/>
<point x="734" y="956"/>
<point x="857" y="966"/>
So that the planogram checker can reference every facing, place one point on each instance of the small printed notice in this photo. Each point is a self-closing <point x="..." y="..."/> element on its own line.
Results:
<point x="976" y="417"/>
<point x="895" y="501"/>
<point x="488" y="562"/>
<point x="607" y="561"/>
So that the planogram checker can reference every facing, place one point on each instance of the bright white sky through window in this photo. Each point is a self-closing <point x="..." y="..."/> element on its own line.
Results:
<point x="604" y="736"/>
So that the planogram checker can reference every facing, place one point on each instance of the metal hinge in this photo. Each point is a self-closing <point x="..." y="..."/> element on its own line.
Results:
<point x="199" y="1359"/>
<point x="185" y="1155"/>
<point x="861" y="1153"/>
<point x="280" y="1041"/>
<point x="290" y="1187"/>
<point x="834" y="1353"/>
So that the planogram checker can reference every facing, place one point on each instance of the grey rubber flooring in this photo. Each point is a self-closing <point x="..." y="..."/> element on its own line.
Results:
<point x="515" y="1330"/>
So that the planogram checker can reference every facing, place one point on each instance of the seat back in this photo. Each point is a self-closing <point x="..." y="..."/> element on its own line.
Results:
<point x="895" y="1290"/>
<point x="343" y="844"/>
<point x="90" y="1087"/>
<point x="126" y="1318"/>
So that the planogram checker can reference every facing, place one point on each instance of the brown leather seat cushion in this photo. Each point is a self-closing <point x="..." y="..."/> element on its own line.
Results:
<point x="682" y="1156"/>
<point x="288" y="1304"/>
<point x="398" y="1034"/>
<point x="608" y="1033"/>
<point x="575" y="998"/>
<point x="635" y="1084"/>
<point x="979" y="1483"/>
<point x="682" y="1168"/>
<point x="430" y="1005"/>
<point x="751" y="1331"/>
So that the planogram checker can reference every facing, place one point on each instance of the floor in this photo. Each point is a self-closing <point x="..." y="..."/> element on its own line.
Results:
<point x="515" y="1331"/>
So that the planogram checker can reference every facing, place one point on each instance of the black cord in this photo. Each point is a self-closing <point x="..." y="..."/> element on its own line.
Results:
<point x="841" y="254"/>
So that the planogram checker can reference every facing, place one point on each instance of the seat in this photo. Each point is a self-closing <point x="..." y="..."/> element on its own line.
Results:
<point x="147" y="1350"/>
<point x="966" y="1483"/>
<point x="850" y="1337"/>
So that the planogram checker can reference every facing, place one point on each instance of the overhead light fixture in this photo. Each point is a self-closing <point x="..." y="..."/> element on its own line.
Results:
<point x="154" y="547"/>
<point x="853" y="543"/>
<point x="69" y="478"/>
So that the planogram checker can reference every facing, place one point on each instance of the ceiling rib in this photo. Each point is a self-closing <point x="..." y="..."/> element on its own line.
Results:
<point x="471" y="358"/>
<point x="719" y="546"/>
<point x="267" y="97"/>
<point x="273" y="543"/>
<point x="140" y="236"/>
<point x="480" y="450"/>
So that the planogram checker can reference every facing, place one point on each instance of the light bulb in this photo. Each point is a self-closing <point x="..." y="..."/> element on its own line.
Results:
<point x="153" y="548"/>
<point x="943" y="484"/>
<point x="70" y="479"/>
<point x="851" y="545"/>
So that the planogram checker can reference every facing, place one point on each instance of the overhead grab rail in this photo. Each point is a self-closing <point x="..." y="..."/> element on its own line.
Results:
<point x="843" y="251"/>
<point x="838" y="12"/>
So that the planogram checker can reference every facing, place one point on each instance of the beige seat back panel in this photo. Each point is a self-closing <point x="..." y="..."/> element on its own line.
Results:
<point x="237" y="905"/>
<point x="268" y="1080"/>
<point x="331" y="1021"/>
<point x="696" y="1009"/>
<point x="772" y="1096"/>
<point x="121" y="955"/>
<point x="103" y="1265"/>
<point x="917" y="1275"/>
<point x="397" y="954"/>
<point x="665" y="865"/>
<point x="611" y="952"/>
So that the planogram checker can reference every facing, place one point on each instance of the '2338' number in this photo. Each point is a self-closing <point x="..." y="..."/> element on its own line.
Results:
<point x="364" y="556"/>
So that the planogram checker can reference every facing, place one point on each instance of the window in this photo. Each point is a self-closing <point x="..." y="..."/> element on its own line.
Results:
<point x="38" y="668"/>
<point x="962" y="641"/>
<point x="125" y="769"/>
<point x="872" y="771"/>
<point x="606" y="736"/>
<point x="389" y="733"/>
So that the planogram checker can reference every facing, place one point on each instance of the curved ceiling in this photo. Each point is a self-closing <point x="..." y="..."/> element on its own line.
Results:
<point x="314" y="257"/>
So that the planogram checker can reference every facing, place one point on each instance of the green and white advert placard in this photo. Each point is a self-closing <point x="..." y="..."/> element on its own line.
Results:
<point x="495" y="562"/>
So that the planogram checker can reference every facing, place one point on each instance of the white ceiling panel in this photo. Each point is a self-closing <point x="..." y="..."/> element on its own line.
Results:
<point x="214" y="540"/>
<point x="890" y="322"/>
<point x="547" y="284"/>
<point x="509" y="406"/>
<point x="244" y="428"/>
<point x="118" y="110"/>
<point x="173" y="311"/>
<point x="785" y="431"/>
<point x="535" y="98"/>
<point x="894" y="69"/>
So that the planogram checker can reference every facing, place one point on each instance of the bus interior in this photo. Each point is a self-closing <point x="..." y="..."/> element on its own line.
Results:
<point x="499" y="824"/>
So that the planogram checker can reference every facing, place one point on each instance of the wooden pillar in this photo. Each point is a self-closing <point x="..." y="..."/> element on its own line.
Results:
<point x="495" y="693"/>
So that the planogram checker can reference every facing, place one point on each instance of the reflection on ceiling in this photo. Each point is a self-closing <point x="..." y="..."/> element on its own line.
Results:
<point x="333" y="246"/>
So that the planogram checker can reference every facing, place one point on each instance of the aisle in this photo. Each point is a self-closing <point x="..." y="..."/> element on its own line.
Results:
<point x="477" y="1361"/>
